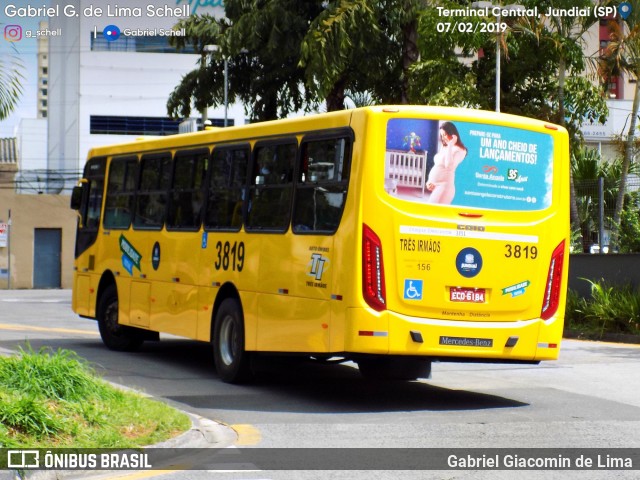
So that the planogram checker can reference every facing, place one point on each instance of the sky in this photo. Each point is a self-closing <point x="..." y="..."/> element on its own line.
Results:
<point x="26" y="50"/>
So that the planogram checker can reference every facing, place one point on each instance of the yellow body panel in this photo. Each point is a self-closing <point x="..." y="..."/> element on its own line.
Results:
<point x="304" y="292"/>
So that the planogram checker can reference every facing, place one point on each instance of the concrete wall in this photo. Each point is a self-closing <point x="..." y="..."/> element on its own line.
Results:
<point x="616" y="269"/>
<point x="29" y="212"/>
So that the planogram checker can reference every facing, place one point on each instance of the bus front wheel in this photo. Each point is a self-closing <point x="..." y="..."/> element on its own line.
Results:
<point x="115" y="336"/>
<point x="231" y="359"/>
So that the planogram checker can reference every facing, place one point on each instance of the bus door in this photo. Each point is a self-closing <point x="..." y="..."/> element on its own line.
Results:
<point x="88" y="202"/>
<point x="174" y="254"/>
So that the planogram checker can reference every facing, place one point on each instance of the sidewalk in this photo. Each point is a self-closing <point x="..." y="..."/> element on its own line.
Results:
<point x="203" y="434"/>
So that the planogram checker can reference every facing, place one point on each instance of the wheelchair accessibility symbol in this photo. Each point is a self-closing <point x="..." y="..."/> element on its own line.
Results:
<point x="412" y="289"/>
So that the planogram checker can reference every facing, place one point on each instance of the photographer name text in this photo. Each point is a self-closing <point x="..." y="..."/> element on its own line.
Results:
<point x="13" y="11"/>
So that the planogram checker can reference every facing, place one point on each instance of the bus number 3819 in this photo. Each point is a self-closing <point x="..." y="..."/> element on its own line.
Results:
<point x="230" y="256"/>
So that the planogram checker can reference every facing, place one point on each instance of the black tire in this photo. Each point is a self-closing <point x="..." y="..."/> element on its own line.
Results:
<point x="231" y="359"/>
<point x="397" y="368"/>
<point x="116" y="337"/>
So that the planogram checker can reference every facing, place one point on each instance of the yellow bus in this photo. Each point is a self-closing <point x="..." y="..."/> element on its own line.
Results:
<point x="390" y="236"/>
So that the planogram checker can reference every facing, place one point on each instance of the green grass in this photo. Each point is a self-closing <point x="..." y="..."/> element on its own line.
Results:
<point x="609" y="309"/>
<point x="55" y="400"/>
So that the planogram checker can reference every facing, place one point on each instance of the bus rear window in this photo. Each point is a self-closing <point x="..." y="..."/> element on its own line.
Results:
<point x="468" y="165"/>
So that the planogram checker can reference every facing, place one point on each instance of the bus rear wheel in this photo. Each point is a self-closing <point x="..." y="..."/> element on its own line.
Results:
<point x="115" y="336"/>
<point x="231" y="359"/>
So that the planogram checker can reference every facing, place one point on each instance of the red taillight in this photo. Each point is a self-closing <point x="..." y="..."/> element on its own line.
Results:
<point x="373" y="287"/>
<point x="552" y="291"/>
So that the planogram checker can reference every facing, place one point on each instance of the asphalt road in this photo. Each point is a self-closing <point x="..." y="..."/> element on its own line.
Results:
<point x="590" y="398"/>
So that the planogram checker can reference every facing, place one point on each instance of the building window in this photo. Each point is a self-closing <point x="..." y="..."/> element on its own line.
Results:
<point x="113" y="125"/>
<point x="140" y="44"/>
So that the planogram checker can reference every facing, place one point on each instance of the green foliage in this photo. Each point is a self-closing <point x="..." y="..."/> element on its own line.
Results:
<point x="610" y="309"/>
<point x="286" y="55"/>
<point x="629" y="240"/>
<point x="11" y="80"/>
<point x="52" y="399"/>
<point x="335" y="39"/>
<point x="61" y="376"/>
<point x="26" y="414"/>
<point x="584" y="102"/>
<point x="587" y="167"/>
<point x="622" y="54"/>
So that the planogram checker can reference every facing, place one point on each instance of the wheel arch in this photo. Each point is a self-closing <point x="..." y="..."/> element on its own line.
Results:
<point x="108" y="279"/>
<point x="228" y="290"/>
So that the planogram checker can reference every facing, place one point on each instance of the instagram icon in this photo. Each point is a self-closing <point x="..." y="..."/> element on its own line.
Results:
<point x="13" y="33"/>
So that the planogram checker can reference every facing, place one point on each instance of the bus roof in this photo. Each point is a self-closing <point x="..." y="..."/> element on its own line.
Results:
<point x="321" y="121"/>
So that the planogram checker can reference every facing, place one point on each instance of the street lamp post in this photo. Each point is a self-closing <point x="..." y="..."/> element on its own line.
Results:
<point x="215" y="48"/>
<point x="488" y="6"/>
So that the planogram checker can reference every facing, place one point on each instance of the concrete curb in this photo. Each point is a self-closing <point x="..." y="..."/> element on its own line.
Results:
<point x="204" y="433"/>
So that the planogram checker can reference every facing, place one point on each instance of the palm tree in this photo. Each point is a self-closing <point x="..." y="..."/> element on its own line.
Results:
<point x="565" y="34"/>
<point x="11" y="79"/>
<point x="622" y="55"/>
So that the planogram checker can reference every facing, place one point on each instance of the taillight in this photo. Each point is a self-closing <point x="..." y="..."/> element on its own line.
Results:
<point x="373" y="287"/>
<point x="554" y="284"/>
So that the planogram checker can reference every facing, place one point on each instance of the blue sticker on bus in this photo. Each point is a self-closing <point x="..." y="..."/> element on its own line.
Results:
<point x="205" y="239"/>
<point x="469" y="262"/>
<point x="412" y="289"/>
<point x="127" y="263"/>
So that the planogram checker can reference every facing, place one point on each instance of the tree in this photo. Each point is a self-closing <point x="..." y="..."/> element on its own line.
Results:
<point x="260" y="42"/>
<point x="439" y="77"/>
<point x="622" y="55"/>
<point x="11" y="78"/>
<point x="198" y="86"/>
<point x="362" y="46"/>
<point x="564" y="34"/>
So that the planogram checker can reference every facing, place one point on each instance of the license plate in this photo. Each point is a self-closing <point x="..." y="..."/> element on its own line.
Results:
<point x="469" y="295"/>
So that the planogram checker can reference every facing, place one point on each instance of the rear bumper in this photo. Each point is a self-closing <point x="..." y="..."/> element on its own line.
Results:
<point x="390" y="333"/>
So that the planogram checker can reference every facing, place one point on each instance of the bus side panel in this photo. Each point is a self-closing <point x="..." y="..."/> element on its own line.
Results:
<point x="367" y="331"/>
<point x="249" y="302"/>
<point x="294" y="286"/>
<point x="81" y="295"/>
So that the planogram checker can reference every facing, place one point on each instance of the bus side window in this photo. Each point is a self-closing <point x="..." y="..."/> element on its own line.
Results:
<point x="94" y="205"/>
<point x="227" y="188"/>
<point x="271" y="193"/>
<point x="151" y="200"/>
<point x="321" y="187"/>
<point x="121" y="186"/>
<point x="187" y="195"/>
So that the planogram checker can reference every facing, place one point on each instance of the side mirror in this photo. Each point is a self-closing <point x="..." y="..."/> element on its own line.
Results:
<point x="76" y="197"/>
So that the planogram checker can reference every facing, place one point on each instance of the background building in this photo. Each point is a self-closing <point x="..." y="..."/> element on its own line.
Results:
<point x="103" y="92"/>
<point x="43" y="71"/>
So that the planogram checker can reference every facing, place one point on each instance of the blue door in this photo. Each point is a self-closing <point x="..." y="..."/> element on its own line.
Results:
<point x="47" y="258"/>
